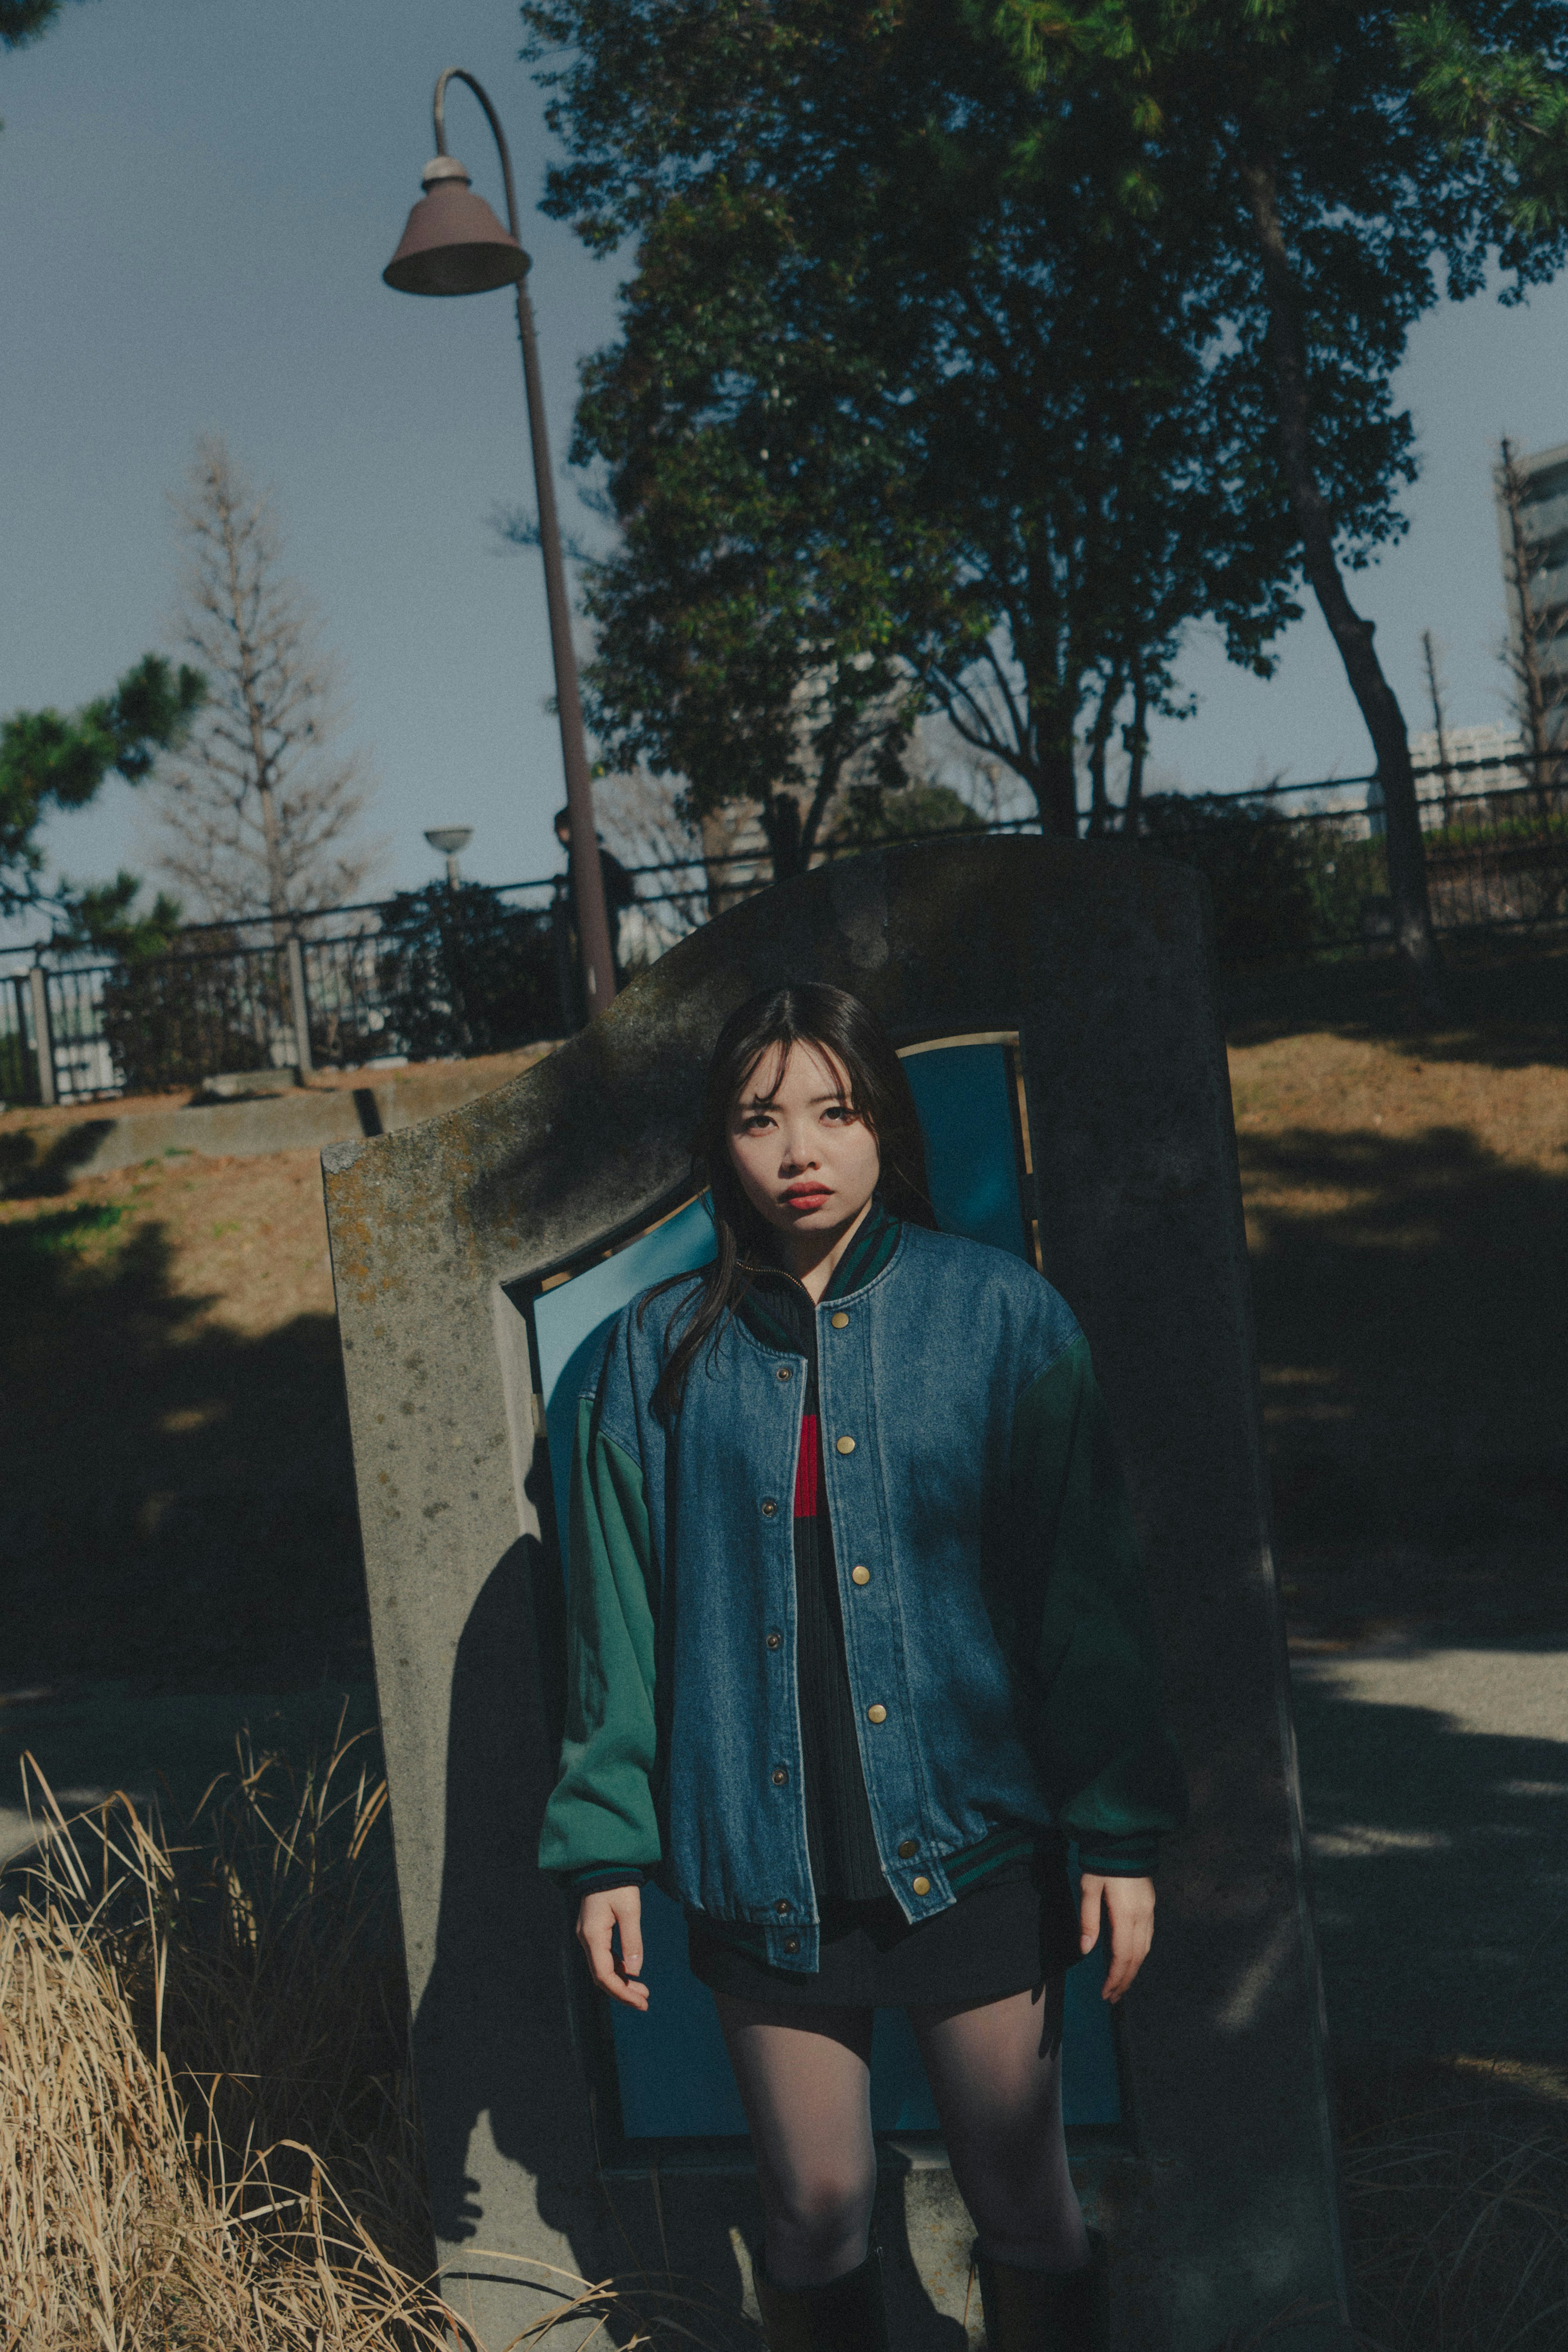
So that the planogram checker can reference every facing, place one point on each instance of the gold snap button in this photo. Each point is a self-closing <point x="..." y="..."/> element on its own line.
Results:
<point x="876" y="1715"/>
<point x="768" y="1509"/>
<point x="921" y="1885"/>
<point x="841" y="1322"/>
<point x="781" y="1905"/>
<point x="783" y="1373"/>
<point x="779" y="1776"/>
<point x="908" y="1849"/>
<point x="775" y="1641"/>
<point x="846" y="1445"/>
<point x="859" y="1576"/>
<point x="791" y="1943"/>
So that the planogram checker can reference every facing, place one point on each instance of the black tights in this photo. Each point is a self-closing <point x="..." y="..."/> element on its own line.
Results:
<point x="995" y="2072"/>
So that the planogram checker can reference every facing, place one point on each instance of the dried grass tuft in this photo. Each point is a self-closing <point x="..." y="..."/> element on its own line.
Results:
<point x="206" y="2132"/>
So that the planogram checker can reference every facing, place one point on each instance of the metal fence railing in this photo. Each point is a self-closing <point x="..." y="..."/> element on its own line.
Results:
<point x="1293" y="870"/>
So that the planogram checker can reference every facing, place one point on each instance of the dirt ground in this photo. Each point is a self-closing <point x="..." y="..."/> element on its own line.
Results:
<point x="1407" y="1218"/>
<point x="177" y="1498"/>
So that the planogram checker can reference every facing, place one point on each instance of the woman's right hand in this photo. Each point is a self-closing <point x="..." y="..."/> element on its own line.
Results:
<point x="598" y="1917"/>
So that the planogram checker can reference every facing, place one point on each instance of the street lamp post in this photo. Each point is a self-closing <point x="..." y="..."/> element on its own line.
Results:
<point x="454" y="244"/>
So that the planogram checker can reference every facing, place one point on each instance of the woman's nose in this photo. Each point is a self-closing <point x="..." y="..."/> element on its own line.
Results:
<point x="800" y="1150"/>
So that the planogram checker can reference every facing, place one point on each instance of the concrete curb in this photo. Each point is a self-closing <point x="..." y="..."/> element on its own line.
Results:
<point x="50" y="1157"/>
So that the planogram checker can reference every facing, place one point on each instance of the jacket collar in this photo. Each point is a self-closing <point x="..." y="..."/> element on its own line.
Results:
<point x="777" y="1306"/>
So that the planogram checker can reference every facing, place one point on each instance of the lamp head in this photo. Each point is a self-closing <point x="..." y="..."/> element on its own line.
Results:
<point x="448" y="840"/>
<point x="454" y="244"/>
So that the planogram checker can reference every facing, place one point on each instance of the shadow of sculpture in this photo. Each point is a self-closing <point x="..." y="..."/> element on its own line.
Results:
<point x="1437" y="1799"/>
<point x="491" y="1976"/>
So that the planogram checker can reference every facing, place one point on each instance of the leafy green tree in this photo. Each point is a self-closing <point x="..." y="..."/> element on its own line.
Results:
<point x="883" y="416"/>
<point x="108" y="915"/>
<point x="1353" y="163"/>
<point x="1512" y="102"/>
<point x="50" y="761"/>
<point x="23" y="22"/>
<point x="461" y="974"/>
<point x="742" y="625"/>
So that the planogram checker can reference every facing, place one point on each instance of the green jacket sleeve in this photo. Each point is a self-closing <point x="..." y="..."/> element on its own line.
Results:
<point x="1110" y="1766"/>
<point x="600" y="1824"/>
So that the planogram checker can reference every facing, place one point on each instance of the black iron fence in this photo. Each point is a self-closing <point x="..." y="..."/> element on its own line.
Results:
<point x="472" y="969"/>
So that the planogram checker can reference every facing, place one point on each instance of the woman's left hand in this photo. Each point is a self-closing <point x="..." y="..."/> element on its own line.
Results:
<point x="1129" y="1906"/>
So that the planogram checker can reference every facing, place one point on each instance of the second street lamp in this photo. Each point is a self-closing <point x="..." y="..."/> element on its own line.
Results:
<point x="454" y="244"/>
<point x="449" y="841"/>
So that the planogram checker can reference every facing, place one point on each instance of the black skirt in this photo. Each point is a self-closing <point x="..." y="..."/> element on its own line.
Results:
<point x="1008" y="1935"/>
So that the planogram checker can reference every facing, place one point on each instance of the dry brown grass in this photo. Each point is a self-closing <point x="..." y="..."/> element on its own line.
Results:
<point x="159" y="2000"/>
<point x="207" y="2136"/>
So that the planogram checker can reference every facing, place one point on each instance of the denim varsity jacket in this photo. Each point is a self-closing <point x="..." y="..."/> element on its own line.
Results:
<point x="997" y="1635"/>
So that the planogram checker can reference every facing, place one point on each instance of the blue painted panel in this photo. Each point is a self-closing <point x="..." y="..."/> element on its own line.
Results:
<point x="571" y="1324"/>
<point x="675" y="2078"/>
<point x="963" y="1096"/>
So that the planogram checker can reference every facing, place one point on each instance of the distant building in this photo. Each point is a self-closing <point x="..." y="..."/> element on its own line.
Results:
<point x="1499" y="738"/>
<point x="1498" y="742"/>
<point x="1532" y="532"/>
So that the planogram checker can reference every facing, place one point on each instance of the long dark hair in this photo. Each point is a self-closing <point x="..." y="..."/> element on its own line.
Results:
<point x="841" y="1026"/>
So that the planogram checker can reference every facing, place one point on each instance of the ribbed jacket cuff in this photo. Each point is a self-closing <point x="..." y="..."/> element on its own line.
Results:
<point x="605" y="1878"/>
<point x="1136" y="1855"/>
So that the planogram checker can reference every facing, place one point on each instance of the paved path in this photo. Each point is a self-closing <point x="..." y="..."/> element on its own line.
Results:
<point x="1435" y="1784"/>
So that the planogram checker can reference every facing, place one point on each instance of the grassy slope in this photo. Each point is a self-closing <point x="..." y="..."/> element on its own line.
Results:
<point x="177" y="1496"/>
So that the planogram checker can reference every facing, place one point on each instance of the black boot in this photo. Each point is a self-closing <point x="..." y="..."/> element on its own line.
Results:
<point x="845" y="2315"/>
<point x="1047" y="2311"/>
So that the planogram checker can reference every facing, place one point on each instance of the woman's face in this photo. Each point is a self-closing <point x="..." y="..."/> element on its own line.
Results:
<point x="807" y="1162"/>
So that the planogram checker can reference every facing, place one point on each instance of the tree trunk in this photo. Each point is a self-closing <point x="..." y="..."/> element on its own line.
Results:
<point x="782" y="823"/>
<point x="830" y="768"/>
<point x="1099" y="738"/>
<point x="716" y="830"/>
<point x="1135" y="739"/>
<point x="1055" y="785"/>
<point x="1351" y="634"/>
<point x="1434" y="690"/>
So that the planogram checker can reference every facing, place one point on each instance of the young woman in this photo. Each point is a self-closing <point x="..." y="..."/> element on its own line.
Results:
<point x="858" y="1640"/>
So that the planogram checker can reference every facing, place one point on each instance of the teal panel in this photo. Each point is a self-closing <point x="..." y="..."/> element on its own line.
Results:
<point x="963" y="1095"/>
<point x="675" y="2078"/>
<point x="571" y="1324"/>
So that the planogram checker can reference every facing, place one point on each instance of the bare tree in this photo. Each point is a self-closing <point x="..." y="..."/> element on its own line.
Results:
<point x="1439" y="721"/>
<point x="258" y="816"/>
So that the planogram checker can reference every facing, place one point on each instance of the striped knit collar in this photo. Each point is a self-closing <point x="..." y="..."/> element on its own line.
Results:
<point x="870" y="1246"/>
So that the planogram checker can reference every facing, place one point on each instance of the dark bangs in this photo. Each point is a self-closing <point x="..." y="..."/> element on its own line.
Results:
<point x="764" y="1029"/>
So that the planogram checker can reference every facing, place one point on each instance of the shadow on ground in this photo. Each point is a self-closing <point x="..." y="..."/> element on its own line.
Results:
<point x="30" y="1171"/>
<point x="176" y="1499"/>
<point x="1436" y="1784"/>
<point x="1410" y="1296"/>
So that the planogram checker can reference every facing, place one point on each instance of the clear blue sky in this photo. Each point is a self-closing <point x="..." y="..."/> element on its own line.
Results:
<point x="196" y="200"/>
